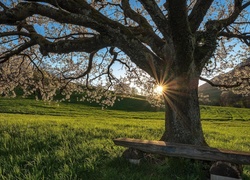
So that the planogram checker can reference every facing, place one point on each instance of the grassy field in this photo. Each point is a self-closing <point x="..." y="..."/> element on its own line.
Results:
<point x="74" y="141"/>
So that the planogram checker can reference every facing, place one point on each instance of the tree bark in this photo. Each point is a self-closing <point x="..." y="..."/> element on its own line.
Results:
<point x="182" y="112"/>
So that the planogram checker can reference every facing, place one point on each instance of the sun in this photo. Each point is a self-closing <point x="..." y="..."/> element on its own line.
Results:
<point x="159" y="89"/>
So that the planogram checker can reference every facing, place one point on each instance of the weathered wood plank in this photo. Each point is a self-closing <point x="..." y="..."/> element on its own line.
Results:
<point x="185" y="150"/>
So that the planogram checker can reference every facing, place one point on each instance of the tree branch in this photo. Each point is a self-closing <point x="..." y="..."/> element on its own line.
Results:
<point x="213" y="28"/>
<point x="128" y="12"/>
<point x="3" y="6"/>
<point x="84" y="14"/>
<point x="181" y="34"/>
<point x="178" y="17"/>
<point x="237" y="84"/>
<point x="24" y="10"/>
<point x="198" y="13"/>
<point x="149" y="38"/>
<point x="70" y="36"/>
<point x="218" y="25"/>
<point x="14" y="33"/>
<point x="77" y="45"/>
<point x="241" y="22"/>
<point x="85" y="72"/>
<point x="4" y="58"/>
<point x="111" y="33"/>
<point x="144" y="30"/>
<point x="158" y="17"/>
<point x="242" y="37"/>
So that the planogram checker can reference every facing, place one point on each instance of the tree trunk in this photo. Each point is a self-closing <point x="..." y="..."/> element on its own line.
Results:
<point x="182" y="114"/>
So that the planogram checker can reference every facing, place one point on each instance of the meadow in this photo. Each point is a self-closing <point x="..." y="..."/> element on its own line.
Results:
<point x="74" y="141"/>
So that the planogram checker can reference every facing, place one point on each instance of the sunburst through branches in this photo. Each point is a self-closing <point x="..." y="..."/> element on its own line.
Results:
<point x="159" y="89"/>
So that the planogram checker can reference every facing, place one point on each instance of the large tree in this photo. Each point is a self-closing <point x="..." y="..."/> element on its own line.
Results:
<point x="75" y="44"/>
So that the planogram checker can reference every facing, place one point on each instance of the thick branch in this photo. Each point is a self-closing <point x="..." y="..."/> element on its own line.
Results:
<point x="204" y="48"/>
<point x="14" y="33"/>
<point x="70" y="36"/>
<point x="237" y="10"/>
<point x="181" y="33"/>
<point x="4" y="58"/>
<point x="47" y="11"/>
<point x="144" y="30"/>
<point x="157" y="16"/>
<point x="3" y="6"/>
<point x="218" y="25"/>
<point x="149" y="38"/>
<point x="198" y="13"/>
<point x="178" y="17"/>
<point x="78" y="45"/>
<point x="128" y="12"/>
<point x="24" y="10"/>
<point x="84" y="15"/>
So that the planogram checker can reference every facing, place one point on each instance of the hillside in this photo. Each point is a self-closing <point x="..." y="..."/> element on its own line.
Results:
<point x="214" y="94"/>
<point x="225" y="98"/>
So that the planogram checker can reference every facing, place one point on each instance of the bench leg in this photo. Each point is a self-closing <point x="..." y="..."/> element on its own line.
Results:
<point x="133" y="155"/>
<point x="225" y="171"/>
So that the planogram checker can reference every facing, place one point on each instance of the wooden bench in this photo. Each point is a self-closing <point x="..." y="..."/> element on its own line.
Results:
<point x="185" y="150"/>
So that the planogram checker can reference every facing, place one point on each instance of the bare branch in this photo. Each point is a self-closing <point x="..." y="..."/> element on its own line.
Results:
<point x="36" y="66"/>
<point x="7" y="41"/>
<point x="246" y="22"/>
<point x="14" y="33"/>
<point x="237" y="84"/>
<point x="91" y="56"/>
<point x="243" y="37"/>
<point x="115" y="54"/>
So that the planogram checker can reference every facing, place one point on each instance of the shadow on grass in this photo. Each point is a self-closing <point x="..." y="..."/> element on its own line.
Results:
<point x="170" y="168"/>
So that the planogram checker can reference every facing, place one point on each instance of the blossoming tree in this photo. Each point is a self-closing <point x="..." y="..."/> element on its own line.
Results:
<point x="84" y="45"/>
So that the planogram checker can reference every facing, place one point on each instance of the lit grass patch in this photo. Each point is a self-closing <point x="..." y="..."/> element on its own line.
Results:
<point x="224" y="113"/>
<point x="53" y="147"/>
<point x="63" y="147"/>
<point x="74" y="141"/>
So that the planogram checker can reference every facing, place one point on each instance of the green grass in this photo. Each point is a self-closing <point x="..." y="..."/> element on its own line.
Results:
<point x="74" y="141"/>
<point x="224" y="113"/>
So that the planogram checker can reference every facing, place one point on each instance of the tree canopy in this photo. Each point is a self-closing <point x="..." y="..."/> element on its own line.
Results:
<point x="87" y="40"/>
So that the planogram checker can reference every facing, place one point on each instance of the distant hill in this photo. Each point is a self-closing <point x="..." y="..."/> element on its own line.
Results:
<point x="214" y="94"/>
<point x="224" y="98"/>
